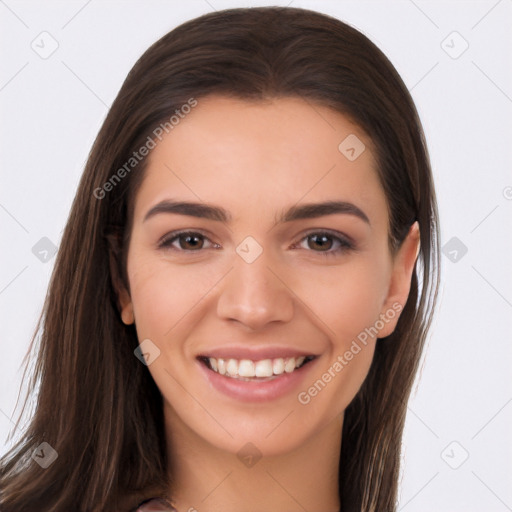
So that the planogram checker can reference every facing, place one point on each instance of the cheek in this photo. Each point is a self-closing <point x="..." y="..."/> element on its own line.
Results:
<point x="347" y="299"/>
<point x="164" y="295"/>
<point x="349" y="303"/>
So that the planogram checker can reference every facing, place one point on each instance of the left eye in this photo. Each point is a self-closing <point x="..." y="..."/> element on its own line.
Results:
<point x="326" y="240"/>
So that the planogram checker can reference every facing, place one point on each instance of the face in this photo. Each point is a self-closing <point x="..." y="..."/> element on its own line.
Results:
<point x="286" y="301"/>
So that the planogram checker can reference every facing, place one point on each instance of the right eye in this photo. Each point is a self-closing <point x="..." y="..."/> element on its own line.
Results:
<point x="187" y="241"/>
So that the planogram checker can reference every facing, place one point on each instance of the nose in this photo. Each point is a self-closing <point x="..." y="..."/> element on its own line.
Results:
<point x="255" y="294"/>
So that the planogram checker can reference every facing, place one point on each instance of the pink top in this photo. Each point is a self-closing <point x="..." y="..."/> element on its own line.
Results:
<point x="155" y="505"/>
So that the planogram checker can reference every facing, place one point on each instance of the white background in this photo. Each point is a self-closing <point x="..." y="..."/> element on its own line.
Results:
<point x="52" y="109"/>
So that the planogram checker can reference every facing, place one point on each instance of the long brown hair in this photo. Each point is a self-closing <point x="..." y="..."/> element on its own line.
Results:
<point x="97" y="405"/>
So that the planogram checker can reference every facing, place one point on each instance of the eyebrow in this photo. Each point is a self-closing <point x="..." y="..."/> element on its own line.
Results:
<point x="217" y="213"/>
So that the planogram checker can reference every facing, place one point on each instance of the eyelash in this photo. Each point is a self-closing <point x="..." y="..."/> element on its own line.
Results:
<point x="344" y="244"/>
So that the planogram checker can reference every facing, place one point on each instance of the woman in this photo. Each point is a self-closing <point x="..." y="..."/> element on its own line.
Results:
<point x="244" y="285"/>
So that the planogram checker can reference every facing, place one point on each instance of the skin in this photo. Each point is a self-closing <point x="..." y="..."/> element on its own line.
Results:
<point x="256" y="160"/>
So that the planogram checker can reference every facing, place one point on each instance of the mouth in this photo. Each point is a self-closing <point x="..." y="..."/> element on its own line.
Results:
<point x="255" y="371"/>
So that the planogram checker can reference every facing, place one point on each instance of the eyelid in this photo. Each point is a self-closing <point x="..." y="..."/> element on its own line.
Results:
<point x="330" y="232"/>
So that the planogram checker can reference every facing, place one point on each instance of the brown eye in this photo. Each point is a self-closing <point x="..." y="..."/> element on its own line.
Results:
<point x="186" y="241"/>
<point x="322" y="242"/>
<point x="327" y="243"/>
<point x="190" y="242"/>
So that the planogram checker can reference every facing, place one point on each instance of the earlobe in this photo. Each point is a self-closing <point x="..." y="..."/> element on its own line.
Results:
<point x="400" y="284"/>
<point x="124" y="303"/>
<point x="127" y="315"/>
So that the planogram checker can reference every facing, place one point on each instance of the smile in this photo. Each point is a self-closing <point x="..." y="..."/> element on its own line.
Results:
<point x="246" y="369"/>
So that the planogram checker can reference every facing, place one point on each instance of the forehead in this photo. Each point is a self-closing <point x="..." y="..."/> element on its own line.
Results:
<point x="265" y="154"/>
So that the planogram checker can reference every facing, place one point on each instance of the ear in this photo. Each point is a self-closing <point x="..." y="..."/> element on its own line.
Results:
<point x="400" y="283"/>
<point x="126" y="306"/>
<point x="124" y="302"/>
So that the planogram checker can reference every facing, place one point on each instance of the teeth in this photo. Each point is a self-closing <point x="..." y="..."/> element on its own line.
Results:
<point x="221" y="364"/>
<point x="263" y="368"/>
<point x="247" y="368"/>
<point x="278" y="366"/>
<point x="232" y="367"/>
<point x="289" y="365"/>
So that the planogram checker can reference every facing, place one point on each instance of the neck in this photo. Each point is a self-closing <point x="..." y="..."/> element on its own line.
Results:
<point x="206" y="478"/>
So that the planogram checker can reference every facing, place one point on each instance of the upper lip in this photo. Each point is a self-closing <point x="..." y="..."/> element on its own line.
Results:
<point x="254" y="354"/>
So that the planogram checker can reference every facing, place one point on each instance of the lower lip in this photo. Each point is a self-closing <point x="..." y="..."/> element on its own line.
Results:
<point x="256" y="391"/>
